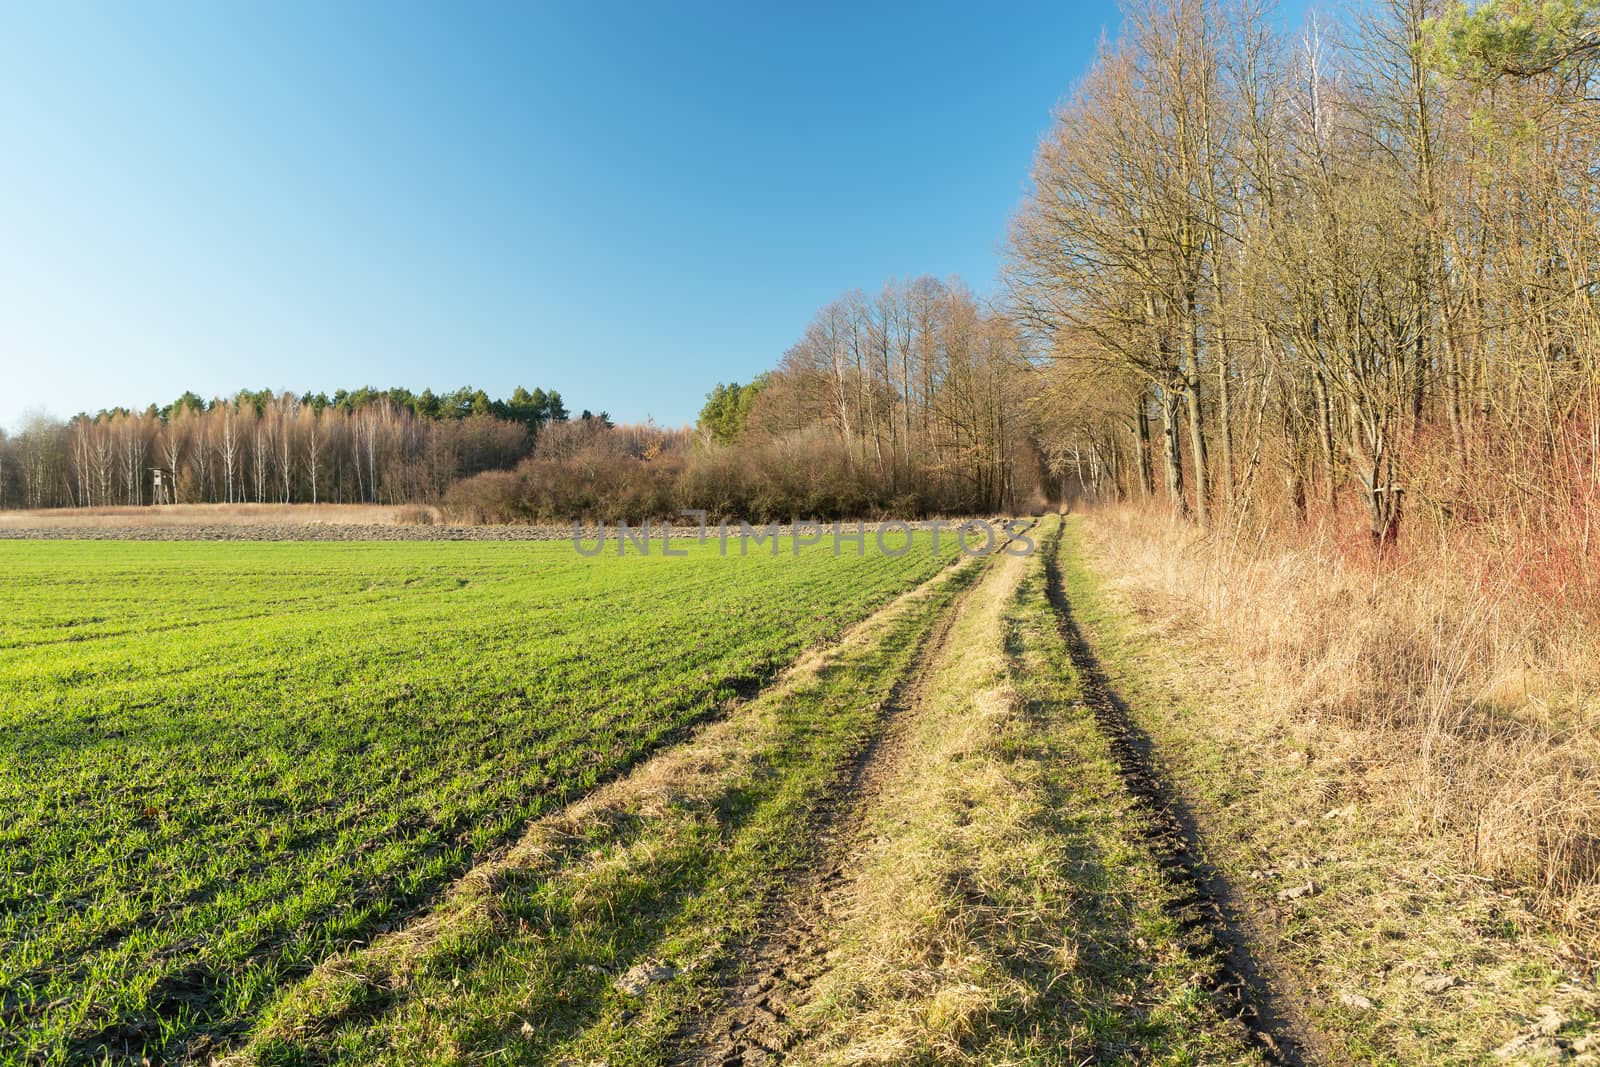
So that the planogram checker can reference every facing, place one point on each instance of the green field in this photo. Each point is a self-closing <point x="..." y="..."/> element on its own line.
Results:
<point x="222" y="762"/>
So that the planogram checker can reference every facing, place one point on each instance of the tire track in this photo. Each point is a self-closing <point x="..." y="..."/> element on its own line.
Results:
<point x="1206" y="903"/>
<point x="752" y="1026"/>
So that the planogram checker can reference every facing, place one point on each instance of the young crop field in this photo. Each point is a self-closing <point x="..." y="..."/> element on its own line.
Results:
<point x="220" y="763"/>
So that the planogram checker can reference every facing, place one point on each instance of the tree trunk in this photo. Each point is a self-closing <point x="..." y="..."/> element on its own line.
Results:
<point x="1142" y="447"/>
<point x="1174" y="451"/>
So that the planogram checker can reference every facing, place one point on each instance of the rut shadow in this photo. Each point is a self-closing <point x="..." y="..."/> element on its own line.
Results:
<point x="1205" y="897"/>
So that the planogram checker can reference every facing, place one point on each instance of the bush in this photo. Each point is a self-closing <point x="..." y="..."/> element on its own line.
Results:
<point x="589" y="472"/>
<point x="493" y="496"/>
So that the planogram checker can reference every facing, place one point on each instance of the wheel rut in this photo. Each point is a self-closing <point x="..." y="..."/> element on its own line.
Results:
<point x="752" y="1026"/>
<point x="1206" y="902"/>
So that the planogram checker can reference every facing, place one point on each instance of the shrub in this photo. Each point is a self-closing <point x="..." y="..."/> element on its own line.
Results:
<point x="493" y="496"/>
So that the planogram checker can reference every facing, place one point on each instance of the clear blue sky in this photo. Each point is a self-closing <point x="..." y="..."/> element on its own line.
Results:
<point x="626" y="203"/>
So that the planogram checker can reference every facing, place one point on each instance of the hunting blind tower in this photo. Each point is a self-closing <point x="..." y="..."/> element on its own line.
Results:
<point x="161" y="486"/>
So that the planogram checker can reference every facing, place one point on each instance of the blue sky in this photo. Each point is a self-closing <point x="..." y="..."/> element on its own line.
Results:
<point x="626" y="203"/>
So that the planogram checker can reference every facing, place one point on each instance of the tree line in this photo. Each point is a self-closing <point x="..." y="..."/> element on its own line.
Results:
<point x="908" y="402"/>
<point x="1356" y="262"/>
<point x="361" y="446"/>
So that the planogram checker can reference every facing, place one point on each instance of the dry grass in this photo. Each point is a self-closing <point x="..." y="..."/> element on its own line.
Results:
<point x="216" y="515"/>
<point x="1268" y="688"/>
<point x="1001" y="907"/>
<point x="1476" y="705"/>
<point x="913" y="977"/>
<point x="416" y="515"/>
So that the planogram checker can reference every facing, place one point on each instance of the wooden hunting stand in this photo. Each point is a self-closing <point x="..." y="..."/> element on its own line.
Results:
<point x="162" y="486"/>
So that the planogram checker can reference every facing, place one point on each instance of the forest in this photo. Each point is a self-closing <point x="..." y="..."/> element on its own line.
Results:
<point x="355" y="446"/>
<point x="1354" y="265"/>
<point x="906" y="403"/>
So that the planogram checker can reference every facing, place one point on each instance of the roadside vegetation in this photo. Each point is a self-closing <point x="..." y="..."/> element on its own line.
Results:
<point x="1388" y="802"/>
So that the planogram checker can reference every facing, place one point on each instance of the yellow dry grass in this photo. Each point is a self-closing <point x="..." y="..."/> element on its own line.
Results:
<point x="1422" y="750"/>
<point x="912" y="975"/>
<point x="1477" y="712"/>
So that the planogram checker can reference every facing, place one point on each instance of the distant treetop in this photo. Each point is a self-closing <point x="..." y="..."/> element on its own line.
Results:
<point x="532" y="409"/>
<point x="1515" y="38"/>
<point x="727" y="408"/>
